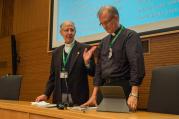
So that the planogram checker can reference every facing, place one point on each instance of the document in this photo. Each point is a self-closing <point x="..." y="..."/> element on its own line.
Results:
<point x="43" y="104"/>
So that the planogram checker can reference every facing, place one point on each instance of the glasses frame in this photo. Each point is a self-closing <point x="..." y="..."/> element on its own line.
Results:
<point x="107" y="22"/>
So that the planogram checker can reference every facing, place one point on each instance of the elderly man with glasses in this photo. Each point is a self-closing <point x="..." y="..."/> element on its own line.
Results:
<point x="120" y="61"/>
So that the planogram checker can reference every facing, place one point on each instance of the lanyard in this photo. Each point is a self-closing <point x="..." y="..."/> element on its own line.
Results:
<point x="65" y="59"/>
<point x="114" y="39"/>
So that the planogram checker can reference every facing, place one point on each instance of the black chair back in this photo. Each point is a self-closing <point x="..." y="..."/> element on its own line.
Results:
<point x="10" y="87"/>
<point x="164" y="95"/>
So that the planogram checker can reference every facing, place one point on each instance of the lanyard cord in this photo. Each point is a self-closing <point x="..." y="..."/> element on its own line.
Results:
<point x="115" y="38"/>
<point x="65" y="59"/>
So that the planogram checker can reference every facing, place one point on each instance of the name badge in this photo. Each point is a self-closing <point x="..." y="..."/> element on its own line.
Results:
<point x="63" y="74"/>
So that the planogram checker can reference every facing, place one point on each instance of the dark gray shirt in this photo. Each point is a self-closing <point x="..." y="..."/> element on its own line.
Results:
<point x="127" y="61"/>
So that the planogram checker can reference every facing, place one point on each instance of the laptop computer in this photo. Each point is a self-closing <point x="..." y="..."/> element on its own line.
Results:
<point x="113" y="99"/>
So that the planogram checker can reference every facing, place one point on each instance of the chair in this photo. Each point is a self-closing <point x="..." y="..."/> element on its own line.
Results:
<point x="10" y="87"/>
<point x="164" y="93"/>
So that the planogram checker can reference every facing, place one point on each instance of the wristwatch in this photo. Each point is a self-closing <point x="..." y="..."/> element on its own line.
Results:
<point x="134" y="95"/>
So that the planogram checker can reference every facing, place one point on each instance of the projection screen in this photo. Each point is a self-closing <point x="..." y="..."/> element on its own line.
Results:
<point x="143" y="16"/>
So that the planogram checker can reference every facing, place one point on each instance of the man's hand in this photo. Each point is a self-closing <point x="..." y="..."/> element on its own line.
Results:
<point x="132" y="103"/>
<point x="41" y="98"/>
<point x="87" y="54"/>
<point x="90" y="102"/>
<point x="133" y="98"/>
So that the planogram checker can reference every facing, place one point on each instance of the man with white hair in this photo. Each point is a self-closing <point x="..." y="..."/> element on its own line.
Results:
<point x="71" y="63"/>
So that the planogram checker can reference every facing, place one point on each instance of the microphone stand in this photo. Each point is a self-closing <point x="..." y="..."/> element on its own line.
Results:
<point x="67" y="97"/>
<point x="59" y="106"/>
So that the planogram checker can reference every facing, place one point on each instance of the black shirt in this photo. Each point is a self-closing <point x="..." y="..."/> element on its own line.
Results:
<point x="127" y="61"/>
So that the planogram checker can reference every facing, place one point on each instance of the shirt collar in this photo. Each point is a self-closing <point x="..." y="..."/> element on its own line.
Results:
<point x="70" y="44"/>
<point x="68" y="47"/>
<point x="113" y="34"/>
<point x="117" y="30"/>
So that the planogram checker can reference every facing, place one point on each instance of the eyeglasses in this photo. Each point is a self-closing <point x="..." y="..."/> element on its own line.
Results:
<point x="106" y="23"/>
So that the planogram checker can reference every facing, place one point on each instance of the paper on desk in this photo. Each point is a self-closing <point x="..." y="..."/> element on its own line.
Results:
<point x="43" y="104"/>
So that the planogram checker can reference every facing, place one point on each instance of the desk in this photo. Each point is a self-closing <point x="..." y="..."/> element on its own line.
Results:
<point x="24" y="110"/>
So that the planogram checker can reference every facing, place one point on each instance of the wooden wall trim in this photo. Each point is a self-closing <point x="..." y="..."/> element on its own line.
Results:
<point x="160" y="34"/>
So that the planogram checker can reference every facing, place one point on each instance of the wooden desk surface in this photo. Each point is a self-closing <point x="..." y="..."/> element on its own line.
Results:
<point x="22" y="109"/>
